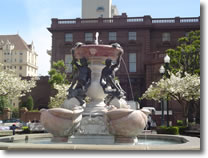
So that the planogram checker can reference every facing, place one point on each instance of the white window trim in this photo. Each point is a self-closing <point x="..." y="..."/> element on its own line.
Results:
<point x="132" y="36"/>
<point x="68" y="38"/>
<point x="133" y="62"/>
<point x="89" y="36"/>
<point x="112" y="36"/>
<point x="166" y="37"/>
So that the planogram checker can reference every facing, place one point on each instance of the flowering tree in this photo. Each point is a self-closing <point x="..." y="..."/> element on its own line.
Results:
<point x="186" y="58"/>
<point x="181" y="89"/>
<point x="12" y="86"/>
<point x="60" y="96"/>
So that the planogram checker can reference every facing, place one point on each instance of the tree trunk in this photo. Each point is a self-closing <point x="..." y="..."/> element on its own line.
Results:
<point x="185" y="107"/>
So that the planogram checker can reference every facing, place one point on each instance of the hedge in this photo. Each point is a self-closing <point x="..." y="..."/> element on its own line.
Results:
<point x="174" y="130"/>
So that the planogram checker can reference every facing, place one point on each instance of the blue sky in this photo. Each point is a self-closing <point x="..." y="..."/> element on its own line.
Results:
<point x="30" y="18"/>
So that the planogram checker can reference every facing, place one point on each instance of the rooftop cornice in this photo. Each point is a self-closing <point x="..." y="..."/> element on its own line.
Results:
<point x="122" y="22"/>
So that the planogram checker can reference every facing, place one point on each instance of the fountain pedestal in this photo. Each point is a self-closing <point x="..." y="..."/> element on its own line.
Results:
<point x="97" y="122"/>
<point x="93" y="124"/>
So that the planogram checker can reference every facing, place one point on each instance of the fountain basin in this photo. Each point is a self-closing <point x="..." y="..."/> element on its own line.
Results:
<point x="97" y="51"/>
<point x="61" y="122"/>
<point x="126" y="123"/>
<point x="42" y="142"/>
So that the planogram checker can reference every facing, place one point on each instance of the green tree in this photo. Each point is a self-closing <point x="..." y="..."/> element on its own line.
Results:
<point x="57" y="73"/>
<point x="186" y="56"/>
<point x="29" y="103"/>
<point x="182" y="89"/>
<point x="3" y="103"/>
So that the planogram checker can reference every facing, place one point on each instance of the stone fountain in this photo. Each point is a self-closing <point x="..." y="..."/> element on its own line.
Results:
<point x="101" y="122"/>
<point x="106" y="116"/>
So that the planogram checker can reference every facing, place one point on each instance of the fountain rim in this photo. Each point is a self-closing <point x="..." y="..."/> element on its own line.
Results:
<point x="189" y="143"/>
<point x="93" y="51"/>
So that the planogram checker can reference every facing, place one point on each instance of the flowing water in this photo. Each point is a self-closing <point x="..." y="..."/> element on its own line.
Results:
<point x="132" y="94"/>
<point x="96" y="38"/>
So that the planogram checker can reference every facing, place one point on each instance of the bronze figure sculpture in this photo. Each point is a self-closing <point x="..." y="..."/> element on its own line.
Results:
<point x="81" y="79"/>
<point x="108" y="82"/>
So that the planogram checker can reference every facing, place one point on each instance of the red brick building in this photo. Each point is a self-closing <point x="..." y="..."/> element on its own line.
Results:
<point x="144" y="40"/>
<point x="41" y="93"/>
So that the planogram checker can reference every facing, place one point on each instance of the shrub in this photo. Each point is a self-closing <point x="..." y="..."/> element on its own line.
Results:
<point x="179" y="122"/>
<point x="182" y="129"/>
<point x="168" y="130"/>
<point x="175" y="130"/>
<point x="25" y="129"/>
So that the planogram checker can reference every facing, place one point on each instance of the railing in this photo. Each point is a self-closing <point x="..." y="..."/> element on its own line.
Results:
<point x="163" y="20"/>
<point x="189" y="20"/>
<point x="135" y="19"/>
<point x="123" y="20"/>
<point x="67" y="21"/>
<point x="85" y="21"/>
<point x="108" y="20"/>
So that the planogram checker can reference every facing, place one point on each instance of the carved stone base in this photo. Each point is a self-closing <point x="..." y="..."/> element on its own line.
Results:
<point x="93" y="124"/>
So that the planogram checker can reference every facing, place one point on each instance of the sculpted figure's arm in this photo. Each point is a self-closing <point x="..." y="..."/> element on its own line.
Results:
<point x="74" y="72"/>
<point x="118" y="61"/>
<point x="74" y="60"/>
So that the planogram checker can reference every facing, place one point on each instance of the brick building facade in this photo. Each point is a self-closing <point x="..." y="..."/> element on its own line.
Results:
<point x="144" y="40"/>
<point x="41" y="93"/>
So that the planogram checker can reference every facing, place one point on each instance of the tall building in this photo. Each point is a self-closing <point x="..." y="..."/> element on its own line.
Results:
<point x="19" y="56"/>
<point x="98" y="8"/>
<point x="114" y="11"/>
<point x="144" y="40"/>
<point x="16" y="54"/>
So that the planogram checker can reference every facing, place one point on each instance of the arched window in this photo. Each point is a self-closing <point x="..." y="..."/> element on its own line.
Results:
<point x="100" y="9"/>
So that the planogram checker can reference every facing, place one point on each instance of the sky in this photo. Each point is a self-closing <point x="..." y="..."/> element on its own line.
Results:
<point x="30" y="18"/>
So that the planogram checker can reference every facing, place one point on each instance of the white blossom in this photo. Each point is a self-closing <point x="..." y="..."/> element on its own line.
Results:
<point x="59" y="98"/>
<point x="176" y="87"/>
<point x="12" y="86"/>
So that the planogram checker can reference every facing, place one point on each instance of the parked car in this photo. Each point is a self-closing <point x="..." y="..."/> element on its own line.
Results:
<point x="10" y="122"/>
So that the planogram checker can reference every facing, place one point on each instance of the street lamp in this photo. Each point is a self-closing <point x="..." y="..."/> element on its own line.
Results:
<point x="167" y="59"/>
<point x="167" y="62"/>
<point x="162" y="71"/>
